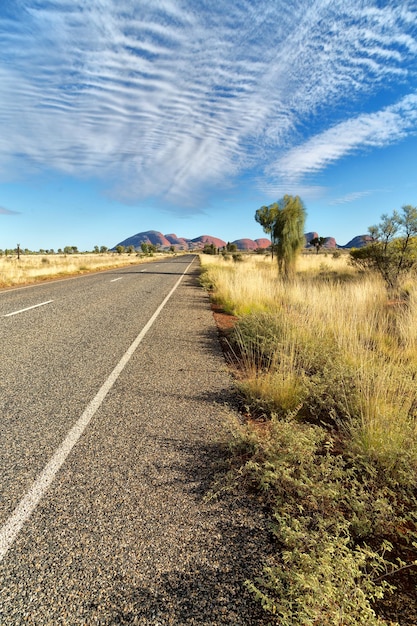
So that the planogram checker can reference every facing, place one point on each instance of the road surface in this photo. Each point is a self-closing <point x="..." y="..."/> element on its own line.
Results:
<point x="113" y="413"/>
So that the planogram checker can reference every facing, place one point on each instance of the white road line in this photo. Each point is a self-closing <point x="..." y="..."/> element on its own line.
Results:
<point x="143" y="270"/>
<point x="10" y="530"/>
<point x="113" y="280"/>
<point x="28" y="308"/>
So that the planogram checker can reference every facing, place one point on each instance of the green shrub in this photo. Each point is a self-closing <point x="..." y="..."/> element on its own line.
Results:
<point x="330" y="516"/>
<point x="272" y="351"/>
<point x="258" y="338"/>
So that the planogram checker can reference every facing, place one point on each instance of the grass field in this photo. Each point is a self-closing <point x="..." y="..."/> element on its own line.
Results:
<point x="32" y="268"/>
<point x="326" y="368"/>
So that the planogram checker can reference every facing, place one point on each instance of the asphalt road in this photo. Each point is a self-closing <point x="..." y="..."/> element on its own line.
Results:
<point x="113" y="412"/>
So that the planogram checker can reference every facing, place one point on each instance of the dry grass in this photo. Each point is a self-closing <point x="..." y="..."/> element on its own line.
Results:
<point x="330" y="365"/>
<point x="336" y="345"/>
<point x="33" y="268"/>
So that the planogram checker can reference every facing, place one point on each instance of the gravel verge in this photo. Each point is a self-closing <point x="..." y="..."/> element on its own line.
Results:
<point x="126" y="534"/>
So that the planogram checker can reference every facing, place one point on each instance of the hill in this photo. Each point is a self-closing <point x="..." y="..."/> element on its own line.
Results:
<point x="164" y="242"/>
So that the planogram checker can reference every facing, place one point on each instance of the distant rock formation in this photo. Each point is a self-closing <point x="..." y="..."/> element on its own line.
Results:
<point x="330" y="242"/>
<point x="252" y="244"/>
<point x="164" y="242"/>
<point x="149" y="236"/>
<point x="245" y="244"/>
<point x="207" y="239"/>
<point x="263" y="242"/>
<point x="309" y="237"/>
<point x="358" y="242"/>
<point x="178" y="242"/>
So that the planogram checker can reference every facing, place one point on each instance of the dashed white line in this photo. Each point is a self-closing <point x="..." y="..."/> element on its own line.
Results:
<point x="28" y="308"/>
<point x="113" y="280"/>
<point x="10" y="530"/>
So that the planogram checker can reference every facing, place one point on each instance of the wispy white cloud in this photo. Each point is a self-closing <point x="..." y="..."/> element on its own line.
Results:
<point x="171" y="96"/>
<point x="4" y="211"/>
<point x="350" y="197"/>
<point x="275" y="190"/>
<point x="365" y="131"/>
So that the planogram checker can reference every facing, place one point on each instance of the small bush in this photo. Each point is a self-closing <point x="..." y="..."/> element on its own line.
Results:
<point x="273" y="392"/>
<point x="258" y="338"/>
<point x="325" y="508"/>
<point x="286" y="366"/>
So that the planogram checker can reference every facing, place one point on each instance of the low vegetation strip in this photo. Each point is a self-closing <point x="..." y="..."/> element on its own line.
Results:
<point x="33" y="268"/>
<point x="326" y="368"/>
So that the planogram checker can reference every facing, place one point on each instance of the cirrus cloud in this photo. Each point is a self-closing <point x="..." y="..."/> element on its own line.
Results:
<point x="170" y="97"/>
<point x="368" y="130"/>
<point x="4" y="211"/>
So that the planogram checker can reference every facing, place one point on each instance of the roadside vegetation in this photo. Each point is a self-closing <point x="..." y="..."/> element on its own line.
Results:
<point x="326" y="368"/>
<point x="32" y="268"/>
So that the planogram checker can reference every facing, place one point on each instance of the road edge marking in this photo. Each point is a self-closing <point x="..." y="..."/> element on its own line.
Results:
<point x="34" y="306"/>
<point x="13" y="525"/>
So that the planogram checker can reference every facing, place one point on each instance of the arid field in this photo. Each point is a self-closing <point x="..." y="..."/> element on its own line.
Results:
<point x="31" y="268"/>
<point x="326" y="369"/>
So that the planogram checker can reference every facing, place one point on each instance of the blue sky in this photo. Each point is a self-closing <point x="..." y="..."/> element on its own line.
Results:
<point x="186" y="116"/>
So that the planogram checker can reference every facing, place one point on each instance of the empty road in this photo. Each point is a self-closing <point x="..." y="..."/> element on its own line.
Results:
<point x="113" y="414"/>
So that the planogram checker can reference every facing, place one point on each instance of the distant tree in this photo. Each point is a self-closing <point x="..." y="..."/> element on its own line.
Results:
<point x="148" y="248"/>
<point x="210" y="248"/>
<point x="96" y="250"/>
<point x="59" y="250"/>
<point x="231" y="247"/>
<point x="266" y="216"/>
<point x="120" y="249"/>
<point x="130" y="249"/>
<point x="317" y="242"/>
<point x="393" y="250"/>
<point x="103" y="249"/>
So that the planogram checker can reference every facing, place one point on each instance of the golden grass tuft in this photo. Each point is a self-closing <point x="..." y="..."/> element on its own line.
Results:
<point x="340" y="345"/>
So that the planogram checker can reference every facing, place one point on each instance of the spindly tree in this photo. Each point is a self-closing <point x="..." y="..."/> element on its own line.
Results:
<point x="266" y="216"/>
<point x="288" y="233"/>
<point x="392" y="251"/>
